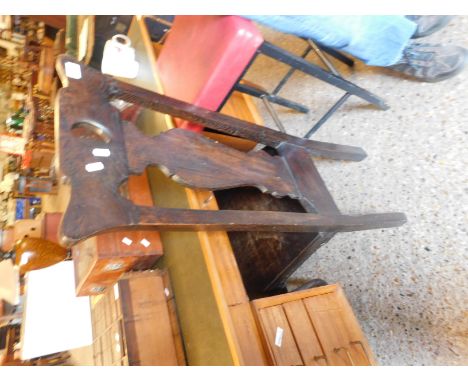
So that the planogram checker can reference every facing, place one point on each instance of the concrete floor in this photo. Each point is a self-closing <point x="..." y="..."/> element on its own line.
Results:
<point x="408" y="285"/>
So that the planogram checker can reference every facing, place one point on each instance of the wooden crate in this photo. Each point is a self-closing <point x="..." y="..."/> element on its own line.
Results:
<point x="135" y="323"/>
<point x="314" y="327"/>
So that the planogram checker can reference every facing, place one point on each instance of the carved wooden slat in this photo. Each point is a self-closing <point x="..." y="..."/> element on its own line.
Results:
<point x="227" y="124"/>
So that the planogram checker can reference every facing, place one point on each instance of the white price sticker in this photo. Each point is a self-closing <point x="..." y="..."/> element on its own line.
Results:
<point x="279" y="336"/>
<point x="73" y="70"/>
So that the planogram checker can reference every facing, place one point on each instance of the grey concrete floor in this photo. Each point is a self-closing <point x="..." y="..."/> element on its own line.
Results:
<point x="408" y="286"/>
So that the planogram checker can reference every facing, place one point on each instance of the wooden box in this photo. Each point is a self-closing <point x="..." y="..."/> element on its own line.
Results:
<point x="267" y="259"/>
<point x="101" y="260"/>
<point x="135" y="323"/>
<point x="312" y="327"/>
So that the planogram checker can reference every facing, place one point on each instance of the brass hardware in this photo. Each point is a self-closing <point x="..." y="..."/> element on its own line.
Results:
<point x="97" y="289"/>
<point x="319" y="357"/>
<point x="363" y="348"/>
<point x="337" y="350"/>
<point x="113" y="267"/>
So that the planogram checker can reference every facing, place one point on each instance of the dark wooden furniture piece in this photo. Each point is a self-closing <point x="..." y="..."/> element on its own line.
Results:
<point x="101" y="260"/>
<point x="267" y="259"/>
<point x="314" y="327"/>
<point x="135" y="323"/>
<point x="98" y="152"/>
<point x="214" y="310"/>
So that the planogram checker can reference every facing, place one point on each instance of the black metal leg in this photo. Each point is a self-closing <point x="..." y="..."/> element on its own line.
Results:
<point x="323" y="58"/>
<point x="256" y="92"/>
<point x="290" y="73"/>
<point x="336" y="54"/>
<point x="327" y="115"/>
<point x="273" y="114"/>
<point x="300" y="64"/>
<point x="221" y="105"/>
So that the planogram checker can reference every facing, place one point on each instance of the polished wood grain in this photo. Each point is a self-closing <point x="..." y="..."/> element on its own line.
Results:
<point x="34" y="253"/>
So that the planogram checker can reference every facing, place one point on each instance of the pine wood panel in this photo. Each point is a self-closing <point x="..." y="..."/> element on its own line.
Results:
<point x="282" y="346"/>
<point x="338" y="329"/>
<point x="331" y="330"/>
<point x="135" y="323"/>
<point x="250" y="344"/>
<point x="304" y="334"/>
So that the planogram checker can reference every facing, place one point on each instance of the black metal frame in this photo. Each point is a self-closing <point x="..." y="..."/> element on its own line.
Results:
<point x="306" y="67"/>
<point x="331" y="76"/>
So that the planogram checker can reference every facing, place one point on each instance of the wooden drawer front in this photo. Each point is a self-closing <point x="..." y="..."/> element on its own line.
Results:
<point x="51" y="223"/>
<point x="129" y="243"/>
<point x="335" y="329"/>
<point x="279" y="337"/>
<point x="304" y="334"/>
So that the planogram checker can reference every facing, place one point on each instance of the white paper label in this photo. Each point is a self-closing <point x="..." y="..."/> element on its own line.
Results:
<point x="96" y="166"/>
<point x="101" y="152"/>
<point x="73" y="70"/>
<point x="127" y="241"/>
<point x="279" y="336"/>
<point x="145" y="243"/>
<point x="116" y="292"/>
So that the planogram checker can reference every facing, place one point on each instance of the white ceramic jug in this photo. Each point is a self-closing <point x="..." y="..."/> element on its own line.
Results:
<point x="119" y="58"/>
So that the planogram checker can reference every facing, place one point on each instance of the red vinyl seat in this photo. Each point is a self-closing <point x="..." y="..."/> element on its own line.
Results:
<point x="203" y="58"/>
